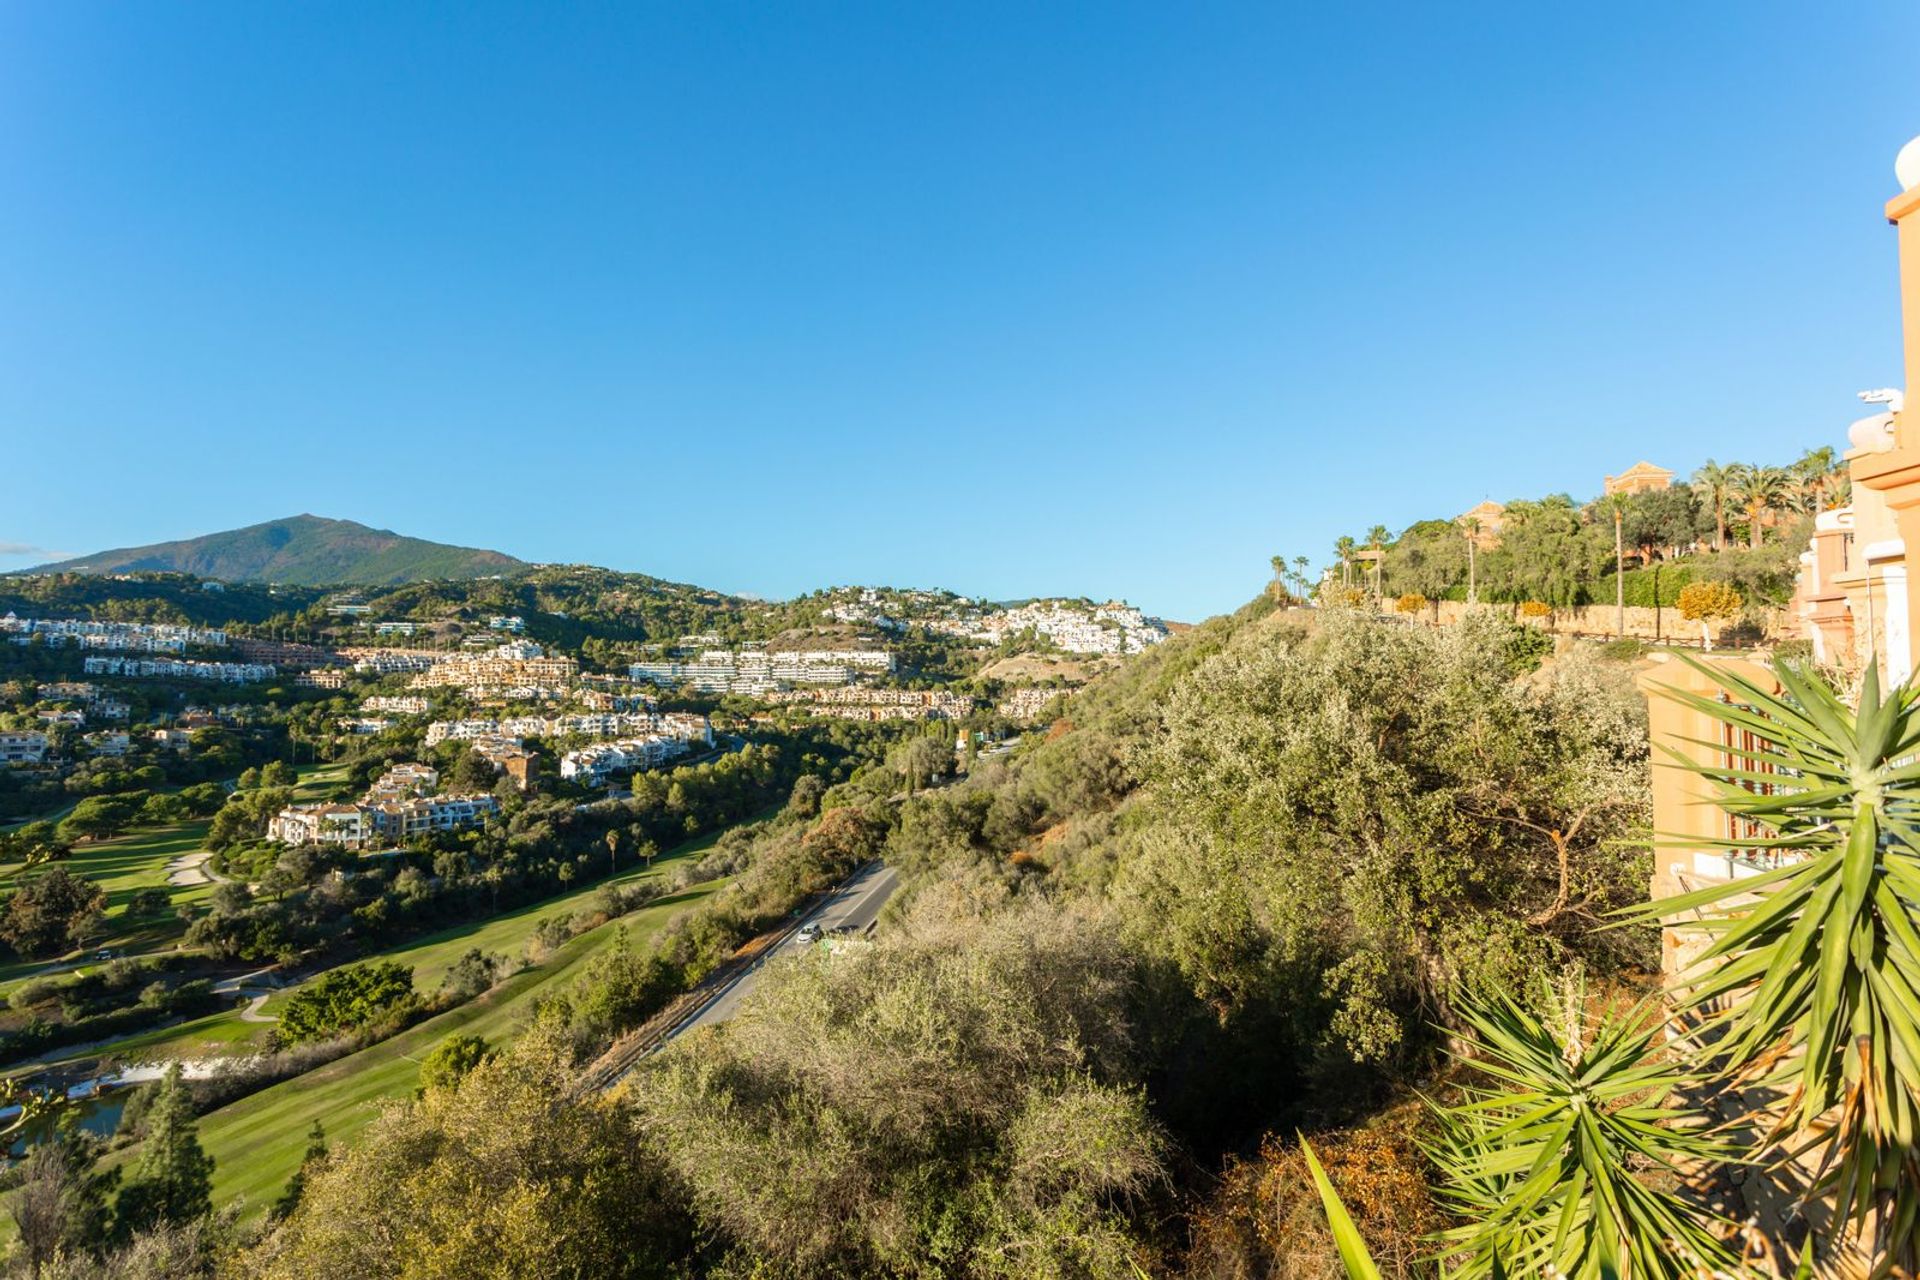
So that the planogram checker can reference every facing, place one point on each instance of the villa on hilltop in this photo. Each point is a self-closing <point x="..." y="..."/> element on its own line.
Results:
<point x="1641" y="477"/>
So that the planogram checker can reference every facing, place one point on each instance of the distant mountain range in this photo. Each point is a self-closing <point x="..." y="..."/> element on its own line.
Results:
<point x="302" y="550"/>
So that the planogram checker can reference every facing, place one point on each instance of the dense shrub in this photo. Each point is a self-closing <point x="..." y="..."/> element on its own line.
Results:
<point x="343" y="1000"/>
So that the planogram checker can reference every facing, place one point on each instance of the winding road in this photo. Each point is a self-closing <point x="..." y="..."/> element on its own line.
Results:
<point x="854" y="905"/>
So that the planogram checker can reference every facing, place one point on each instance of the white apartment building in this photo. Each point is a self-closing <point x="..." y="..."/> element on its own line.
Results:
<point x="361" y="726"/>
<point x="861" y="703"/>
<point x="686" y="725"/>
<point x="22" y="746"/>
<point x="499" y="622"/>
<point x="68" y="691"/>
<point x="1025" y="705"/>
<point x="424" y="815"/>
<point x="592" y="765"/>
<point x="518" y="664"/>
<point x="394" y="808"/>
<point x="396" y="704"/>
<point x="1111" y="628"/>
<point x="749" y="671"/>
<point x="180" y="669"/>
<point x="388" y="662"/>
<point x="111" y="742"/>
<point x="404" y="780"/>
<point x="129" y="637"/>
<point x="342" y="824"/>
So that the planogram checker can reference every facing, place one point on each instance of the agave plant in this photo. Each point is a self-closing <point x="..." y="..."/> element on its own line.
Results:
<point x="1547" y="1164"/>
<point x="1810" y="983"/>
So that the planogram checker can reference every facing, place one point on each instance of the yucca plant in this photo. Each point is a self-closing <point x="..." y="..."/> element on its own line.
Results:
<point x="1811" y="981"/>
<point x="1346" y="1236"/>
<point x="1547" y="1163"/>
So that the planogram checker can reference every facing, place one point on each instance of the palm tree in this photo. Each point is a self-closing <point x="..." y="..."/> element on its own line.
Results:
<point x="1470" y="526"/>
<point x="1809" y="984"/>
<point x="1713" y="484"/>
<point x="1377" y="539"/>
<point x="1344" y="548"/>
<point x="1759" y="490"/>
<point x="1814" y="477"/>
<point x="1615" y="504"/>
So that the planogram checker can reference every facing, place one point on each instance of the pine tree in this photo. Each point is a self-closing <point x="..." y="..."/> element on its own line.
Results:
<point x="172" y="1182"/>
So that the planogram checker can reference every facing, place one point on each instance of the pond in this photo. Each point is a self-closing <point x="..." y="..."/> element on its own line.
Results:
<point x="97" y="1103"/>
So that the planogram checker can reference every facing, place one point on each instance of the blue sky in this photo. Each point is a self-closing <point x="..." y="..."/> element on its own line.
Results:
<point x="1113" y="299"/>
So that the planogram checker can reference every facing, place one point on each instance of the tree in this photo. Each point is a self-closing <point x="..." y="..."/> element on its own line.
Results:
<point x="512" y="1174"/>
<point x="1343" y="548"/>
<point x="1659" y="521"/>
<point x="172" y="1180"/>
<point x="310" y="1163"/>
<point x="1715" y="485"/>
<point x="150" y="903"/>
<point x="1760" y="490"/>
<point x="99" y="816"/>
<point x="1470" y="529"/>
<point x="277" y="773"/>
<point x="43" y="1204"/>
<point x="922" y="759"/>
<point x="1814" y="479"/>
<point x="1377" y="539"/>
<point x="473" y="973"/>
<point x="471" y="772"/>
<point x="343" y="999"/>
<point x="33" y="845"/>
<point x="1705" y="602"/>
<point x="52" y="913"/>
<point x="452" y="1060"/>
<point x="1429" y="559"/>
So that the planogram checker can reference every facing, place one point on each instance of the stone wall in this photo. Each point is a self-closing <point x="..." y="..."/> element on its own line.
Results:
<point x="1598" y="621"/>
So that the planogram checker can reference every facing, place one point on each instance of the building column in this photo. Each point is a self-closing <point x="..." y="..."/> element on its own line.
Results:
<point x="1899" y="634"/>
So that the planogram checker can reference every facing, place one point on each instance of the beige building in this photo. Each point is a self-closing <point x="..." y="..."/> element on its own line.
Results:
<point x="1484" y="523"/>
<point x="1641" y="477"/>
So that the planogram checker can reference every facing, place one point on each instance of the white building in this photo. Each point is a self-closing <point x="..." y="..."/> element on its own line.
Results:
<point x="592" y="765"/>
<point x="180" y="669"/>
<point x="22" y="746"/>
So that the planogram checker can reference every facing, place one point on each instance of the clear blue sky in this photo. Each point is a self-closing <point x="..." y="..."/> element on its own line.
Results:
<point x="1113" y="299"/>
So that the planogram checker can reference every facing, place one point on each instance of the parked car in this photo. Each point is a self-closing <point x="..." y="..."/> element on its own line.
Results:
<point x="809" y="934"/>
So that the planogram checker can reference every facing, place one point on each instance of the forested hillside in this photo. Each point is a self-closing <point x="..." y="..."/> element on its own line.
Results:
<point x="1237" y="891"/>
<point x="305" y="550"/>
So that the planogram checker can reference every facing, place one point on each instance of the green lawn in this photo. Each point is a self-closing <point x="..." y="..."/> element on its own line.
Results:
<point x="138" y="860"/>
<point x="257" y="1142"/>
<point x="508" y="934"/>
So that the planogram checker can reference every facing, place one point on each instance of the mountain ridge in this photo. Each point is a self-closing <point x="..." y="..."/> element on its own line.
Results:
<point x="302" y="550"/>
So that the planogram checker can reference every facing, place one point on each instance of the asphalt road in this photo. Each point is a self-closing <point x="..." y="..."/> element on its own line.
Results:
<point x="855" y="905"/>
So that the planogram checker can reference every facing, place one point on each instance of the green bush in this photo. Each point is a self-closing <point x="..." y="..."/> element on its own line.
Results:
<point x="1655" y="585"/>
<point x="345" y="1000"/>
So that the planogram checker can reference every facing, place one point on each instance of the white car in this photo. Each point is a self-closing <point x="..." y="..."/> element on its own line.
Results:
<point x="808" y="935"/>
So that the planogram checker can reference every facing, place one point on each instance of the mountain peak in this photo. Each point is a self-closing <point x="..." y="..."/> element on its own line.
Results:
<point x="304" y="550"/>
